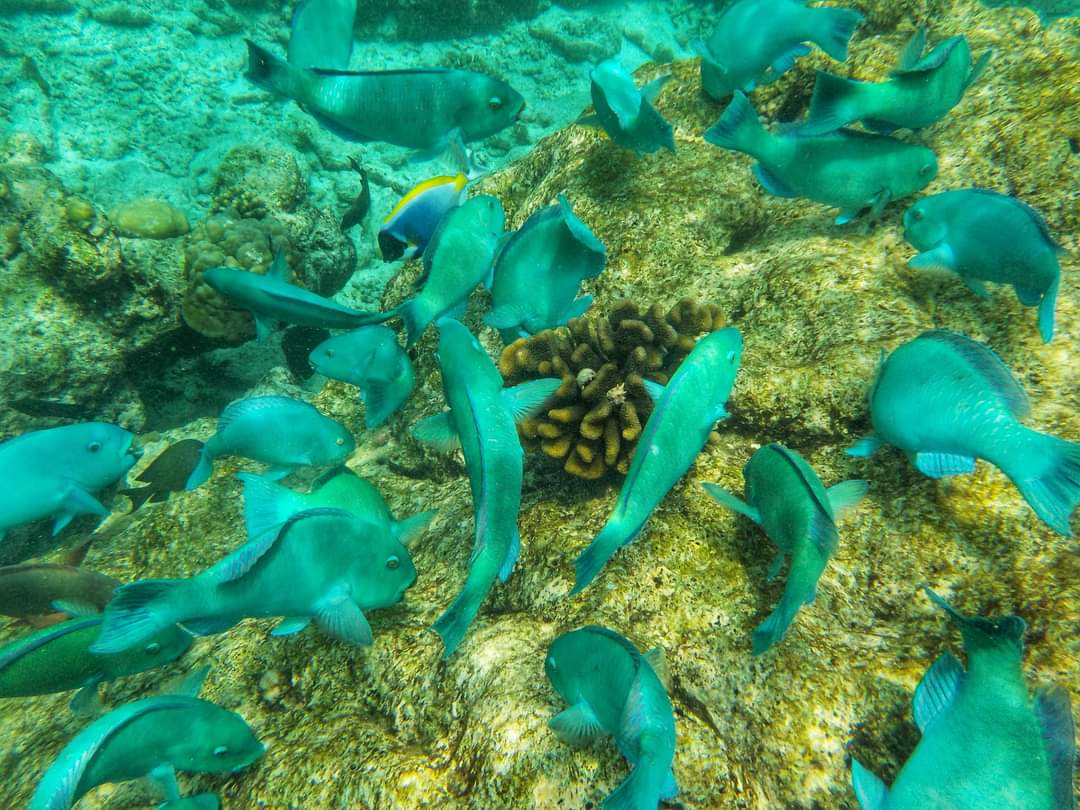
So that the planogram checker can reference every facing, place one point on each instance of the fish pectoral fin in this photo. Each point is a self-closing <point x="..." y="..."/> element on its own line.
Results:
<point x="77" y="501"/>
<point x="75" y="607"/>
<point x="86" y="702"/>
<point x="654" y="389"/>
<point x="1054" y="713"/>
<point x="846" y="215"/>
<point x="438" y="431"/>
<point x="264" y="327"/>
<point x="277" y="472"/>
<point x="939" y="259"/>
<point x="729" y="501"/>
<point x="785" y="61"/>
<point x="164" y="776"/>
<point x="976" y="287"/>
<point x="912" y="52"/>
<point x="979" y="68"/>
<point x="290" y="625"/>
<point x="650" y="91"/>
<point x="343" y="619"/>
<point x="278" y="270"/>
<point x="879" y="201"/>
<point x="407" y="530"/>
<point x="943" y="465"/>
<point x="869" y="789"/>
<point x="505" y="317"/>
<point x="576" y="309"/>
<point x="846" y="495"/>
<point x="1028" y="297"/>
<point x="510" y="560"/>
<point x="528" y="398"/>
<point x="864" y="447"/>
<point x="577" y="725"/>
<point x="209" y="625"/>
<point x="590" y="120"/>
<point x="937" y="690"/>
<point x="658" y="661"/>
<point x="771" y="183"/>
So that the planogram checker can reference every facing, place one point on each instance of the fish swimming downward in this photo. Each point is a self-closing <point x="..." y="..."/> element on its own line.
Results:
<point x="946" y="401"/>
<point x="686" y="409"/>
<point x="786" y="498"/>
<point x="985" y="744"/>
<point x="625" y="113"/>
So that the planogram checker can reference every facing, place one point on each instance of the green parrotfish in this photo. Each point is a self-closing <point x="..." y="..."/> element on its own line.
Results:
<point x="625" y="113"/>
<point x="985" y="744"/>
<point x="686" y="410"/>
<point x="786" y="498"/>
<point x="946" y="401"/>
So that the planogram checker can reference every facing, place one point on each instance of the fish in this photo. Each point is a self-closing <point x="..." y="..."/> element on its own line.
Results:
<point x="409" y="226"/>
<point x="34" y="406"/>
<point x="982" y="235"/>
<point x="848" y="169"/>
<point x="787" y="499"/>
<point x="427" y="109"/>
<point x="152" y="737"/>
<point x="612" y="688"/>
<point x="35" y="590"/>
<point x="57" y="659"/>
<point x="55" y="472"/>
<point x="272" y="298"/>
<point x="922" y="90"/>
<point x="167" y="473"/>
<point x="371" y="359"/>
<point x="481" y="420"/>
<point x="322" y="34"/>
<point x="458" y="258"/>
<point x="625" y="113"/>
<point x="325" y="564"/>
<point x="946" y="401"/>
<point x="268" y="506"/>
<point x="756" y="41"/>
<point x="538" y="270"/>
<point x="694" y="399"/>
<point x="360" y="206"/>
<point x="985" y="742"/>
<point x="283" y="432"/>
<point x="1048" y="10"/>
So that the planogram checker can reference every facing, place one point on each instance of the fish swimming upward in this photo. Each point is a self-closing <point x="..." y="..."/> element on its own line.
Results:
<point x="686" y="410"/>
<point x="786" y="498"/>
<point x="625" y="113"/>
<point x="985" y="743"/>
<point x="614" y="689"/>
<point x="410" y="225"/>
<point x="946" y="401"/>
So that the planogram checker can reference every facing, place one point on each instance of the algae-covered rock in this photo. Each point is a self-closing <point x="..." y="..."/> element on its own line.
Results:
<point x="149" y="218"/>
<point x="253" y="181"/>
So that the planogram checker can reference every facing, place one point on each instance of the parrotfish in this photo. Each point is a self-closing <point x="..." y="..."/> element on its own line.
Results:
<point x="614" y="689"/>
<point x="419" y="109"/>
<point x="283" y="432"/>
<point x="985" y="743"/>
<point x="786" y="498"/>
<point x="686" y="410"/>
<point x="153" y="737"/>
<point x="625" y="113"/>
<point x="371" y="359"/>
<point x="360" y="206"/>
<point x="984" y="236"/>
<point x="57" y="659"/>
<point x="481" y="418"/>
<point x="946" y="401"/>
<point x="272" y="298"/>
<point x="167" y="473"/>
<point x="1048" y="10"/>
<point x="55" y="472"/>
<point x="39" y="589"/>
<point x="848" y="169"/>
<point x="756" y="41"/>
<point x="539" y="269"/>
<point x="322" y="34"/>
<point x="408" y="228"/>
<point x="326" y="564"/>
<point x="922" y="90"/>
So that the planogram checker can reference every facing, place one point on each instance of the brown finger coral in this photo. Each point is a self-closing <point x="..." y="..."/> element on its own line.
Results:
<point x="595" y="417"/>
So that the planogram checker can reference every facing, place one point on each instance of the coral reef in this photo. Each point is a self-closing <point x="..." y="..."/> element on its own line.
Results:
<point x="253" y="181"/>
<point x="149" y="218"/>
<point x="597" y="413"/>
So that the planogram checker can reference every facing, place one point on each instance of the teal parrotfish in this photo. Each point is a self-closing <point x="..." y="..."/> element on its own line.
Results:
<point x="982" y="235"/>
<point x="283" y="432"/>
<point x="755" y="41"/>
<point x="322" y="34"/>
<point x="946" y="401"/>
<point x="154" y="737"/>
<point x="612" y="688"/>
<point x="922" y="89"/>
<point x="787" y="499"/>
<point x="985" y="743"/>
<point x="539" y="269"/>
<point x="686" y="409"/>
<point x="271" y="298"/>
<point x="481" y="420"/>
<point x="626" y="113"/>
<point x="167" y="473"/>
<point x="56" y="472"/>
<point x="371" y="359"/>
<point x="323" y="563"/>
<point x="848" y="169"/>
<point x="57" y="659"/>
<point x="426" y="109"/>
<point x="409" y="226"/>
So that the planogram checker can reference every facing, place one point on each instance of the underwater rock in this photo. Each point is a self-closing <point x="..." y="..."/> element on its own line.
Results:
<point x="580" y="40"/>
<point x="253" y="181"/>
<point x="437" y="19"/>
<point x="149" y="218"/>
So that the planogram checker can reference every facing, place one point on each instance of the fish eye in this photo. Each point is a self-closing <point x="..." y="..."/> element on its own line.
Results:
<point x="94" y="447"/>
<point x="340" y="442"/>
<point x="916" y="214"/>
<point x="731" y="356"/>
<point x="221" y="751"/>
<point x="495" y="103"/>
<point x="153" y="648"/>
<point x="329" y="352"/>
<point x="393" y="562"/>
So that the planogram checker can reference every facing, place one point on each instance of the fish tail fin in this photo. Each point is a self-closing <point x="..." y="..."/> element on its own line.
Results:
<point x="135" y="613"/>
<point x="1046" y="310"/>
<point x="267" y="505"/>
<point x="454" y="623"/>
<point x="831" y="105"/>
<point x="201" y="474"/>
<point x="739" y="128"/>
<point x="982" y="633"/>
<point x="416" y="319"/>
<point x="637" y="791"/>
<point x="776" y="624"/>
<point x="1046" y="470"/>
<point x="807" y="564"/>
<point x="265" y="69"/>
<point x="138" y="495"/>
<point x="835" y="27"/>
<point x="591" y="561"/>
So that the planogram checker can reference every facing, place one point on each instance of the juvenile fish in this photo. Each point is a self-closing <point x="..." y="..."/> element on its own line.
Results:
<point x="984" y="236"/>
<point x="946" y="401"/>
<point x="371" y="359"/>
<point x="625" y="113"/>
<point x="55" y="472"/>
<point x="167" y="473"/>
<point x="756" y="41"/>
<point x="38" y="589"/>
<point x="408" y="228"/>
<point x="360" y="206"/>
<point x="613" y="689"/>
<point x="985" y="743"/>
<point x="922" y="90"/>
<point x="786" y="498"/>
<point x="685" y="412"/>
<point x="847" y="169"/>
<point x="322" y="34"/>
<point x="282" y="432"/>
<point x="539" y="269"/>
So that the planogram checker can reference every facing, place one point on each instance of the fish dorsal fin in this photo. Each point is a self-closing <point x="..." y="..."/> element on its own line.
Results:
<point x="988" y="366"/>
<point x="1054" y="713"/>
<point x="241" y="561"/>
<point x="38" y="639"/>
<point x="869" y="789"/>
<point x="658" y="661"/>
<point x="807" y="475"/>
<point x="620" y="92"/>
<point x="912" y="51"/>
<point x="243" y="407"/>
<point x="278" y="270"/>
<point x="623" y="642"/>
<point x="937" y="690"/>
<point x="935" y="59"/>
<point x="576" y="725"/>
